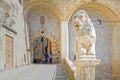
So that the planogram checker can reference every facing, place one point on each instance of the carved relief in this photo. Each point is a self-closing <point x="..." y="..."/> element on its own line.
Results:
<point x="8" y="13"/>
<point x="85" y="31"/>
<point x="2" y="13"/>
<point x="51" y="36"/>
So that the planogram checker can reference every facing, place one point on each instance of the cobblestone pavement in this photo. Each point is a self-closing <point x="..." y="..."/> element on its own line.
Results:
<point x="31" y="72"/>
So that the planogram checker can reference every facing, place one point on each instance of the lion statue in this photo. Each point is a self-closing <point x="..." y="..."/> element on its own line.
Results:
<point x="85" y="31"/>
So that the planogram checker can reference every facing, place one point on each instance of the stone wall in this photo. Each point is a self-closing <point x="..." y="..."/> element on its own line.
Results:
<point x="21" y="39"/>
<point x="2" y="56"/>
<point x="103" y="45"/>
<point x="51" y="22"/>
<point x="14" y="20"/>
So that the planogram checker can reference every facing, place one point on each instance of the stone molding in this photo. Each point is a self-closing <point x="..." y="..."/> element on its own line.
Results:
<point x="42" y="32"/>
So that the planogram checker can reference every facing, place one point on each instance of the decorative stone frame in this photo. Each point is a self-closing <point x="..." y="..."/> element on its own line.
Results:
<point x="7" y="30"/>
<point x="42" y="32"/>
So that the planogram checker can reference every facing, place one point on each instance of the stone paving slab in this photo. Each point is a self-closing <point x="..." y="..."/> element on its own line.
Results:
<point x="31" y="72"/>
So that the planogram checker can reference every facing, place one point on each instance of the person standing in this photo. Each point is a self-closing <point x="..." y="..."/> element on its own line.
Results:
<point x="46" y="57"/>
<point x="50" y="56"/>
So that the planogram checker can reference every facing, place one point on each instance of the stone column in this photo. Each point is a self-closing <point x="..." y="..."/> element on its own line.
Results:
<point x="64" y="39"/>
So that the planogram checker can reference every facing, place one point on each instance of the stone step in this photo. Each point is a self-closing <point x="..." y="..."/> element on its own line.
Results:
<point x="61" y="73"/>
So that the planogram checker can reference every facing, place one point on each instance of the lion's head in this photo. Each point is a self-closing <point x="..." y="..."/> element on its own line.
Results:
<point x="81" y="22"/>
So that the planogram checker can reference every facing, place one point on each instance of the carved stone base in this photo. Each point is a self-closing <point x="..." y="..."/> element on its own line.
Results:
<point x="86" y="69"/>
<point x="87" y="57"/>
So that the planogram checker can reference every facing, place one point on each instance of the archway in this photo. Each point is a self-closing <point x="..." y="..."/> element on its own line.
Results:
<point x="105" y="33"/>
<point x="51" y="37"/>
<point x="41" y="45"/>
<point x="29" y="6"/>
<point x="97" y="7"/>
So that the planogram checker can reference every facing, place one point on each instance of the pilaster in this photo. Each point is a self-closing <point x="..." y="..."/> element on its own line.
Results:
<point x="64" y="39"/>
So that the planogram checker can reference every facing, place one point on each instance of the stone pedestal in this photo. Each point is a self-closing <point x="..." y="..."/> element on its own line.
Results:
<point x="86" y="69"/>
<point x="85" y="46"/>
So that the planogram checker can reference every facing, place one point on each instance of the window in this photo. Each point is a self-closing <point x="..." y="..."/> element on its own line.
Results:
<point x="42" y="20"/>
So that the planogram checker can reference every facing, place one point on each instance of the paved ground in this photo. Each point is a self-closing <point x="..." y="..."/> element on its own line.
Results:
<point x="31" y="72"/>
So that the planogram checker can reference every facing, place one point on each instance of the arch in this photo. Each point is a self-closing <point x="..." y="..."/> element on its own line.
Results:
<point x="42" y="32"/>
<point x="97" y="7"/>
<point x="51" y="8"/>
<point x="29" y="6"/>
<point x="109" y="14"/>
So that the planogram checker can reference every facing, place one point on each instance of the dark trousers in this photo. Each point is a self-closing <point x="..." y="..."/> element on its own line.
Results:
<point x="46" y="60"/>
<point x="50" y="60"/>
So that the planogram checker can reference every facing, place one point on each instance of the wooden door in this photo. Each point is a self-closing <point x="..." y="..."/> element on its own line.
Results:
<point x="9" y="51"/>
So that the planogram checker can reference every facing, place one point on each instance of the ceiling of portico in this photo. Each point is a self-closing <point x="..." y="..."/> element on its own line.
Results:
<point x="58" y="7"/>
<point x="63" y="9"/>
<point x="47" y="9"/>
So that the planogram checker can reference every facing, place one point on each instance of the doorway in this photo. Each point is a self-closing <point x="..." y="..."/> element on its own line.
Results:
<point x="41" y="45"/>
<point x="9" y="51"/>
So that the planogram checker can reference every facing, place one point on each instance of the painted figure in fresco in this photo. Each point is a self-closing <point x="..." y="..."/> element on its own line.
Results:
<point x="85" y="31"/>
